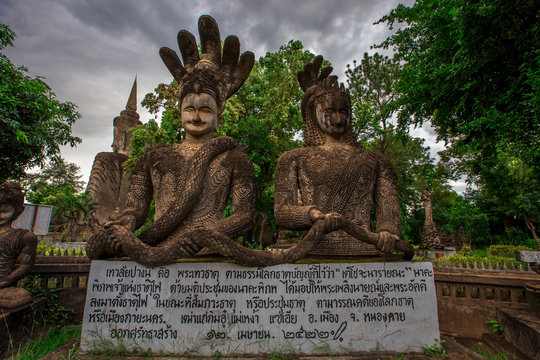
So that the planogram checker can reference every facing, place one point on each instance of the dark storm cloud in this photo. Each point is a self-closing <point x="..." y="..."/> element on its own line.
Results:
<point x="90" y="51"/>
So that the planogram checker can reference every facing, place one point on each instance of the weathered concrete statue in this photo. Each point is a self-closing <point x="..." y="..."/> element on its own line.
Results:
<point x="334" y="177"/>
<point x="14" y="244"/>
<point x="193" y="181"/>
<point x="108" y="183"/>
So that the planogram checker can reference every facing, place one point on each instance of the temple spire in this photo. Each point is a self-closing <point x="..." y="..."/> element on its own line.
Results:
<point x="132" y="101"/>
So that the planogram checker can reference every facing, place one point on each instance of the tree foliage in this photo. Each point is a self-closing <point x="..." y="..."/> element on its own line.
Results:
<point x="58" y="184"/>
<point x="33" y="123"/>
<point x="472" y="69"/>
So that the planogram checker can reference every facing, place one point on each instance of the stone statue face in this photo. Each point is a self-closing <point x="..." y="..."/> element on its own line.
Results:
<point x="199" y="114"/>
<point x="6" y="214"/>
<point x="333" y="114"/>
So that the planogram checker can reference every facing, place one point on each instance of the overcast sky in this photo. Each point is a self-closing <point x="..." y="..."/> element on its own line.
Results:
<point x="90" y="51"/>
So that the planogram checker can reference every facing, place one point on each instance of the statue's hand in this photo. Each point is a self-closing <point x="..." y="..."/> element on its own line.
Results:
<point x="4" y="284"/>
<point x="333" y="222"/>
<point x="387" y="242"/>
<point x="126" y="221"/>
<point x="316" y="214"/>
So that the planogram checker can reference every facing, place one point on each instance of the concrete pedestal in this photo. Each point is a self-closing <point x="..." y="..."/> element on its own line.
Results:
<point x="319" y="309"/>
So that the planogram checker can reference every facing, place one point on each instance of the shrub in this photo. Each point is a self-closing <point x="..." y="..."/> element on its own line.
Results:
<point x="508" y="251"/>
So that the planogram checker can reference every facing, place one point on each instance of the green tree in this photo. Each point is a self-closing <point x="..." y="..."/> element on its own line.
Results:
<point x="373" y="86"/>
<point x="472" y="69"/>
<point x="33" y="123"/>
<point x="58" y="184"/>
<point x="263" y="115"/>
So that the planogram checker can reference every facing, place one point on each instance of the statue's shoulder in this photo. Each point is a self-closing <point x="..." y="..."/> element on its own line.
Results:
<point x="108" y="157"/>
<point x="376" y="157"/>
<point x="295" y="154"/>
<point x="29" y="238"/>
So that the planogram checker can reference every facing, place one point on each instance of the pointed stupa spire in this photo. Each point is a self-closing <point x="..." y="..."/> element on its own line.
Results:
<point x="132" y="101"/>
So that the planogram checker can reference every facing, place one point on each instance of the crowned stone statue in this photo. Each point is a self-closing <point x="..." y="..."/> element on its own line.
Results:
<point x="192" y="181"/>
<point x="334" y="177"/>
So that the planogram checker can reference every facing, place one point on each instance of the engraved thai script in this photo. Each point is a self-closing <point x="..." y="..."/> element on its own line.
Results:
<point x="253" y="334"/>
<point x="135" y="303"/>
<point x="142" y="333"/>
<point x="193" y="302"/>
<point x="269" y="303"/>
<point x="386" y="317"/>
<point x="211" y="317"/>
<point x="312" y="272"/>
<point x="126" y="318"/>
<point x="423" y="272"/>
<point x="204" y="288"/>
<point x="198" y="274"/>
<point x="364" y="302"/>
<point x="352" y="272"/>
<point x="149" y="286"/>
<point x="123" y="272"/>
<point x="316" y="333"/>
<point x="284" y="318"/>
<point x="312" y="288"/>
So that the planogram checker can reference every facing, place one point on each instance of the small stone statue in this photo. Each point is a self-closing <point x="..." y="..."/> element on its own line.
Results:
<point x="108" y="183"/>
<point x="334" y="177"/>
<point x="14" y="244"/>
<point x="431" y="237"/>
<point x="427" y="199"/>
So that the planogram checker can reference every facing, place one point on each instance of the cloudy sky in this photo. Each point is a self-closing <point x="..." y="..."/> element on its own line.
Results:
<point x="90" y="51"/>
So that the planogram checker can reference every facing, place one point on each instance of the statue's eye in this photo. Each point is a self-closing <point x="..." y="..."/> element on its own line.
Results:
<point x="189" y="108"/>
<point x="206" y="110"/>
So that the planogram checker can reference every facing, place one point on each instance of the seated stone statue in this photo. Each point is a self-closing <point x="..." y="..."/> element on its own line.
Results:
<point x="192" y="181"/>
<point x="334" y="177"/>
<point x="15" y="244"/>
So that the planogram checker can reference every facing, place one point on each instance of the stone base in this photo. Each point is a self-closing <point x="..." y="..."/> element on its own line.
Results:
<point x="199" y="308"/>
<point x="522" y="329"/>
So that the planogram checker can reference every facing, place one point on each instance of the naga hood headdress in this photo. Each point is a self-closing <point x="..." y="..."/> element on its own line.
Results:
<point x="213" y="72"/>
<point x="315" y="86"/>
<point x="11" y="194"/>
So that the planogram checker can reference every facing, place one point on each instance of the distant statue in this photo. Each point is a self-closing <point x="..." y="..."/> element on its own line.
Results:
<point x="427" y="198"/>
<point x="431" y="237"/>
<point x="333" y="177"/>
<point x="72" y="226"/>
<point x="108" y="183"/>
<point x="15" y="244"/>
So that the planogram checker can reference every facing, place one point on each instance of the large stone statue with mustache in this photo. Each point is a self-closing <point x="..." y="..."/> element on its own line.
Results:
<point x="334" y="178"/>
<point x="192" y="181"/>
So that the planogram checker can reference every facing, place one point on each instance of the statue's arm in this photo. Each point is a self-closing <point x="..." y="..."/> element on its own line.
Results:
<point x="387" y="212"/>
<point x="26" y="260"/>
<point x="290" y="215"/>
<point x="139" y="194"/>
<point x="243" y="197"/>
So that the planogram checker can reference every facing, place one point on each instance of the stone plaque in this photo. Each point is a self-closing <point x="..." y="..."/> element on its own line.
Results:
<point x="201" y="308"/>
